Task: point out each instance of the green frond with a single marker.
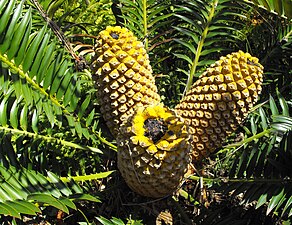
(23, 191)
(145, 17)
(280, 7)
(40, 78)
(79, 18)
(259, 166)
(277, 57)
(21, 117)
(88, 177)
(208, 29)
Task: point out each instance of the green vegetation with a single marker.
(57, 158)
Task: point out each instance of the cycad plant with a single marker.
(56, 148)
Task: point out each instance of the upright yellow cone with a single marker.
(123, 74)
(220, 100)
(153, 151)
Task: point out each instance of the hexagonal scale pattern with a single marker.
(123, 74)
(220, 100)
(153, 152)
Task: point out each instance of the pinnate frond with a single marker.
(38, 78)
(145, 18)
(280, 7)
(259, 166)
(22, 188)
(207, 29)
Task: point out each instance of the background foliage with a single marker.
(57, 158)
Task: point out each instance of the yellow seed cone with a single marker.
(124, 76)
(220, 100)
(153, 151)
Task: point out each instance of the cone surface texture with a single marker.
(123, 74)
(220, 100)
(153, 151)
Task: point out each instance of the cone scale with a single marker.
(220, 100)
(153, 152)
(124, 76)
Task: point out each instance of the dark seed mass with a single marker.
(114, 35)
(154, 129)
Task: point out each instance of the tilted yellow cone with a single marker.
(123, 74)
(153, 151)
(220, 100)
